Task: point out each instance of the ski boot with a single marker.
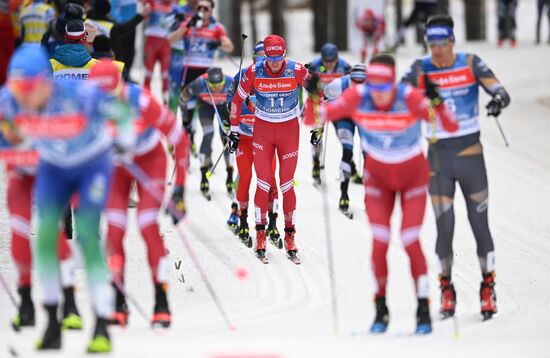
(382, 318)
(120, 316)
(316, 172)
(229, 181)
(52, 337)
(101, 342)
(260, 243)
(273, 232)
(423, 320)
(244, 234)
(233, 220)
(290, 246)
(448, 297)
(25, 315)
(161, 315)
(355, 177)
(488, 296)
(71, 317)
(242, 231)
(205, 185)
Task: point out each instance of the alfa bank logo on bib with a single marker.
(283, 84)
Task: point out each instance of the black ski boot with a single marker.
(25, 315)
(120, 316)
(243, 231)
(355, 177)
(229, 180)
(161, 315)
(101, 342)
(382, 318)
(423, 320)
(205, 185)
(316, 171)
(71, 317)
(272, 231)
(52, 336)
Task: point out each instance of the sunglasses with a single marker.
(383, 87)
(434, 43)
(275, 58)
(24, 85)
(203, 8)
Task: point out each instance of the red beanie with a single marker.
(274, 46)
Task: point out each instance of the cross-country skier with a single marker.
(211, 87)
(328, 67)
(157, 45)
(458, 157)
(275, 81)
(20, 185)
(153, 120)
(75, 165)
(345, 129)
(373, 27)
(388, 118)
(202, 36)
(245, 158)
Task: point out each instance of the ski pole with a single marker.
(148, 185)
(211, 171)
(325, 134)
(330, 257)
(501, 131)
(7, 289)
(218, 117)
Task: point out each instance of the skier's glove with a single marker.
(224, 116)
(312, 85)
(122, 153)
(494, 107)
(213, 45)
(179, 202)
(432, 92)
(194, 20)
(316, 136)
(233, 139)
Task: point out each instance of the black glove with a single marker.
(212, 45)
(432, 92)
(179, 202)
(312, 85)
(494, 107)
(233, 141)
(194, 20)
(224, 115)
(316, 136)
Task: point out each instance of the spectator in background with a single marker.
(102, 48)
(422, 10)
(507, 21)
(72, 60)
(7, 36)
(55, 36)
(121, 34)
(540, 9)
(35, 19)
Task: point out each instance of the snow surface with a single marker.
(283, 310)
